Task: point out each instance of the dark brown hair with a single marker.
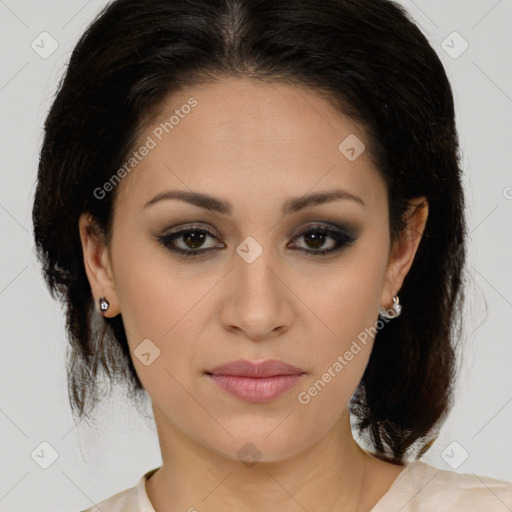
(374, 64)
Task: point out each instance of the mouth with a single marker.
(256, 382)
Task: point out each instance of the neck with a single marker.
(333, 473)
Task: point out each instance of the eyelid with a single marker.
(344, 237)
(192, 227)
(343, 228)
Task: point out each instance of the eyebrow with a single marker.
(292, 205)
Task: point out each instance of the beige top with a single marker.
(420, 487)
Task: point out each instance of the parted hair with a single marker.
(373, 64)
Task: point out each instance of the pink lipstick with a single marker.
(256, 382)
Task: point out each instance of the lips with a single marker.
(256, 382)
(268, 368)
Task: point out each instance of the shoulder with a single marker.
(133, 499)
(422, 487)
(124, 501)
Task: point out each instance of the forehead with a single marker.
(241, 138)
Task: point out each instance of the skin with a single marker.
(255, 145)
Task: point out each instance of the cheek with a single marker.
(348, 308)
(146, 291)
(350, 298)
(161, 304)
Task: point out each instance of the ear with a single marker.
(97, 265)
(404, 250)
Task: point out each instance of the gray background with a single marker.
(94, 463)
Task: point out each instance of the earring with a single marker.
(388, 313)
(104, 303)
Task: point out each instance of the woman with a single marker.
(235, 199)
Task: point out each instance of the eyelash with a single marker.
(342, 240)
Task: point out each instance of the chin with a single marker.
(252, 445)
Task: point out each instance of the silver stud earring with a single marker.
(104, 303)
(391, 313)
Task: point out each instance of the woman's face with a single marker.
(259, 287)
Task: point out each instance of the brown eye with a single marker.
(193, 239)
(315, 239)
(318, 240)
(188, 242)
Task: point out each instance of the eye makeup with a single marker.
(189, 240)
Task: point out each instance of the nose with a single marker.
(257, 300)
